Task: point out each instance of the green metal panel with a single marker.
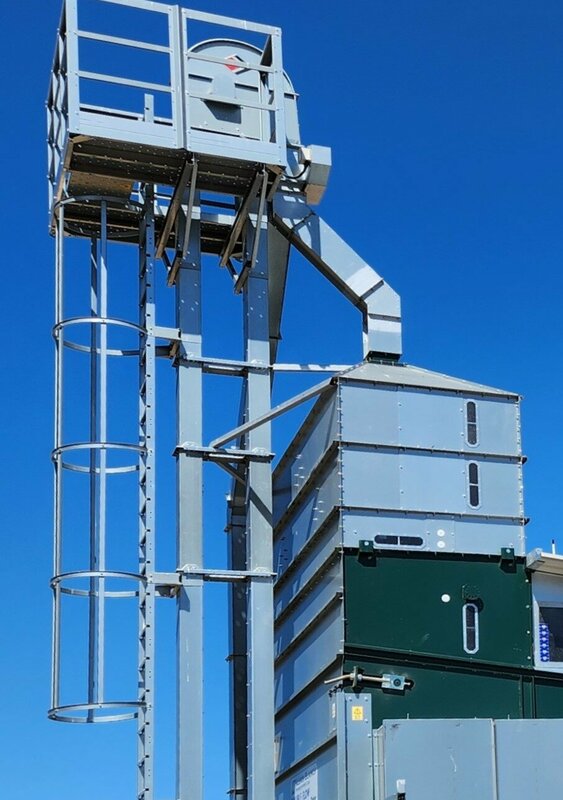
(443, 692)
(413, 603)
(549, 697)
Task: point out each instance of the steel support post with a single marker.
(238, 643)
(97, 461)
(93, 600)
(102, 414)
(189, 399)
(260, 607)
(58, 460)
(147, 375)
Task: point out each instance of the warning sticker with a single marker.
(306, 788)
(357, 713)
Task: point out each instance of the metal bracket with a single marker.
(366, 551)
(174, 207)
(388, 680)
(232, 454)
(507, 556)
(242, 216)
(168, 584)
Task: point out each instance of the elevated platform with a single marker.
(224, 102)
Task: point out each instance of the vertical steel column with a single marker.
(102, 411)
(238, 673)
(58, 458)
(260, 609)
(93, 477)
(97, 462)
(189, 428)
(147, 369)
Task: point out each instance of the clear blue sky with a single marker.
(446, 123)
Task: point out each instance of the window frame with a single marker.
(398, 540)
(469, 423)
(471, 483)
(465, 627)
(554, 666)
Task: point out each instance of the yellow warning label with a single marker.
(357, 713)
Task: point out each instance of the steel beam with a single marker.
(189, 399)
(260, 610)
(147, 380)
(272, 413)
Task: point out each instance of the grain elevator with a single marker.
(391, 635)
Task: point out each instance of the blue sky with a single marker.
(446, 123)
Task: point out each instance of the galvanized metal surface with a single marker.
(403, 460)
(469, 758)
(390, 457)
(407, 375)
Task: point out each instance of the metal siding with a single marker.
(439, 759)
(325, 767)
(310, 656)
(317, 504)
(359, 732)
(370, 478)
(487, 536)
(466, 535)
(396, 604)
(431, 419)
(529, 755)
(498, 427)
(313, 560)
(407, 375)
(317, 442)
(308, 607)
(431, 482)
(413, 486)
(500, 489)
(369, 414)
(548, 696)
(442, 688)
(422, 482)
(305, 727)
